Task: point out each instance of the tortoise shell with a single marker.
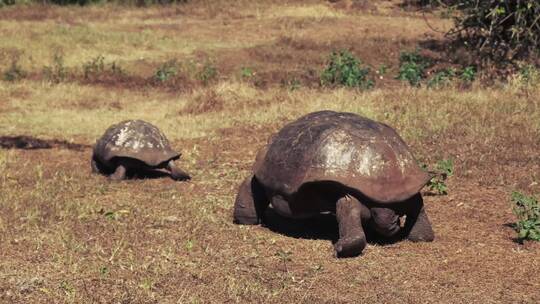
(135, 139)
(354, 151)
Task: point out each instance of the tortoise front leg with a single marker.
(94, 165)
(417, 226)
(352, 239)
(177, 173)
(251, 202)
(119, 173)
(99, 167)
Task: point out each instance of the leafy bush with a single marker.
(443, 170)
(500, 29)
(447, 76)
(527, 211)
(207, 73)
(7, 2)
(247, 72)
(56, 72)
(468, 74)
(345, 69)
(94, 67)
(442, 78)
(97, 69)
(15, 72)
(529, 75)
(412, 67)
(166, 71)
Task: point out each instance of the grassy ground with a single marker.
(67, 235)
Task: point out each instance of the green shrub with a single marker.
(207, 73)
(97, 69)
(247, 72)
(442, 78)
(468, 74)
(499, 29)
(447, 76)
(94, 67)
(166, 71)
(443, 170)
(291, 83)
(412, 67)
(527, 211)
(529, 75)
(14, 72)
(346, 70)
(56, 72)
(7, 2)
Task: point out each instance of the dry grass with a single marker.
(67, 236)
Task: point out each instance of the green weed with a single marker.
(383, 68)
(442, 78)
(412, 67)
(94, 67)
(443, 170)
(166, 71)
(7, 2)
(247, 72)
(346, 70)
(207, 73)
(56, 72)
(468, 74)
(527, 211)
(15, 72)
(291, 84)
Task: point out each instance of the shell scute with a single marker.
(135, 139)
(354, 151)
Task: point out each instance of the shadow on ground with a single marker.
(31, 143)
(321, 227)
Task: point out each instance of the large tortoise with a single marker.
(357, 168)
(134, 145)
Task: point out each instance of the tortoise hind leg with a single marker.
(352, 239)
(417, 225)
(177, 173)
(119, 173)
(251, 202)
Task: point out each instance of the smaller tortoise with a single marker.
(356, 168)
(134, 145)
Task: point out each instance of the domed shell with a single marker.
(341, 147)
(136, 139)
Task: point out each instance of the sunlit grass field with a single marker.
(240, 71)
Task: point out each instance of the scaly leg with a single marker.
(250, 204)
(352, 239)
(177, 173)
(119, 173)
(417, 225)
